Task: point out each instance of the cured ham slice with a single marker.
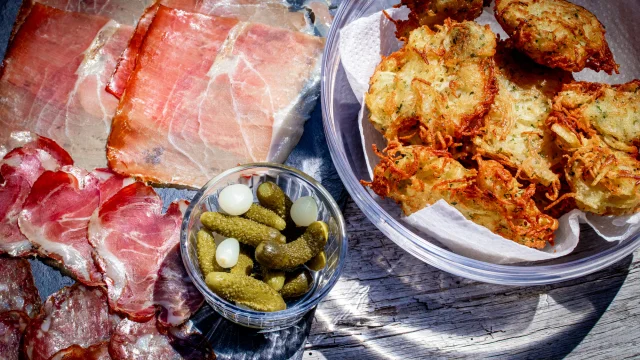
(55, 216)
(136, 248)
(75, 352)
(123, 11)
(19, 169)
(74, 315)
(53, 81)
(18, 292)
(140, 341)
(208, 93)
(12, 326)
(274, 13)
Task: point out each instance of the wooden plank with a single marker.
(390, 305)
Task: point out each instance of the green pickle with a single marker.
(245, 263)
(206, 249)
(274, 278)
(246, 231)
(245, 290)
(296, 284)
(318, 262)
(271, 196)
(274, 255)
(265, 216)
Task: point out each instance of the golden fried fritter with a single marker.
(515, 133)
(417, 176)
(556, 33)
(598, 126)
(437, 88)
(435, 12)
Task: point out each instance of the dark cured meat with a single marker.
(141, 341)
(12, 326)
(17, 289)
(135, 247)
(55, 217)
(94, 352)
(19, 169)
(73, 315)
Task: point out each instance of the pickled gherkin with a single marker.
(296, 284)
(246, 231)
(272, 197)
(245, 290)
(265, 216)
(206, 249)
(274, 255)
(245, 263)
(318, 262)
(274, 278)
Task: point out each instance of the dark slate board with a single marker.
(229, 341)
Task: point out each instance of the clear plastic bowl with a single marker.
(295, 184)
(340, 115)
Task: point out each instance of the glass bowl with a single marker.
(340, 114)
(295, 184)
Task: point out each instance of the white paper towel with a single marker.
(363, 43)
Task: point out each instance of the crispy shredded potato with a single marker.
(557, 33)
(435, 12)
(437, 88)
(515, 133)
(417, 176)
(598, 126)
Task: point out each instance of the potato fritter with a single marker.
(598, 126)
(435, 12)
(557, 33)
(515, 133)
(437, 88)
(417, 176)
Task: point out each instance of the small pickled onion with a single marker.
(235, 199)
(304, 211)
(227, 253)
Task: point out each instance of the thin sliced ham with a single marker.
(55, 217)
(74, 315)
(19, 169)
(98, 351)
(18, 291)
(12, 326)
(136, 247)
(208, 93)
(140, 341)
(53, 80)
(123, 11)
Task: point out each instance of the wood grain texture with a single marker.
(390, 305)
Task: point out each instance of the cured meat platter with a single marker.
(310, 155)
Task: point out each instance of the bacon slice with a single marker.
(273, 13)
(53, 80)
(98, 351)
(136, 249)
(18, 291)
(208, 93)
(12, 326)
(141, 341)
(55, 217)
(19, 169)
(73, 315)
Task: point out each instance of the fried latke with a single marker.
(437, 88)
(417, 176)
(515, 133)
(435, 12)
(598, 126)
(556, 33)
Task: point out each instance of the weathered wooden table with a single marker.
(389, 305)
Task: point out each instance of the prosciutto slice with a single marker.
(53, 81)
(12, 326)
(74, 315)
(274, 13)
(18, 291)
(123, 11)
(141, 341)
(208, 93)
(136, 248)
(55, 216)
(98, 351)
(19, 169)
